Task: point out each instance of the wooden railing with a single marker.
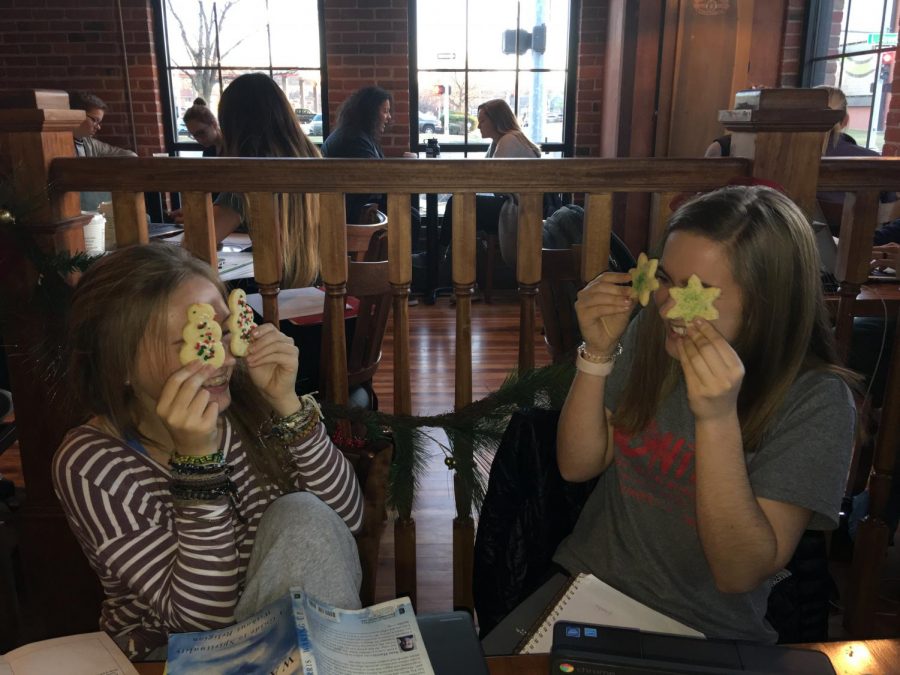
(599, 179)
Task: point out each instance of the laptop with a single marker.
(582, 648)
(452, 644)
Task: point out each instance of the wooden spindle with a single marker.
(333, 260)
(199, 226)
(463, 287)
(268, 265)
(131, 218)
(528, 271)
(400, 274)
(598, 218)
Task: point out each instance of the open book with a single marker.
(586, 599)
(85, 654)
(297, 634)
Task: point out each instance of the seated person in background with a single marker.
(85, 143)
(88, 146)
(198, 492)
(362, 120)
(497, 122)
(701, 429)
(841, 144)
(203, 127)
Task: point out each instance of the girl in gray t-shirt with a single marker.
(719, 440)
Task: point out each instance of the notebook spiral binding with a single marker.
(550, 617)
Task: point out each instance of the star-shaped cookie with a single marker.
(693, 300)
(643, 279)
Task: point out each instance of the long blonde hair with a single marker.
(837, 100)
(505, 122)
(257, 120)
(785, 330)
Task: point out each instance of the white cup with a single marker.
(106, 209)
(95, 235)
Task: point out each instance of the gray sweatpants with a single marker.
(301, 542)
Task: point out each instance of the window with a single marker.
(852, 45)
(205, 44)
(465, 52)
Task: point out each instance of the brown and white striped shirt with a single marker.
(168, 566)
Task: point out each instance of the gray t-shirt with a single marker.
(638, 529)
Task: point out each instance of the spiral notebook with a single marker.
(586, 599)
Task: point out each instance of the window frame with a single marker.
(817, 24)
(566, 147)
(164, 68)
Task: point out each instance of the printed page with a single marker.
(380, 640)
(267, 639)
(590, 600)
(86, 654)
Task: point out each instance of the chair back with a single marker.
(368, 281)
(360, 235)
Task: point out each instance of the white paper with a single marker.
(86, 654)
(293, 302)
(235, 266)
(590, 600)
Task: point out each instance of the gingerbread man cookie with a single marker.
(240, 322)
(202, 336)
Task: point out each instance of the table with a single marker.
(848, 658)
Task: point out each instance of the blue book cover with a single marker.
(264, 643)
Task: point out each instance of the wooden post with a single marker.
(783, 131)
(62, 594)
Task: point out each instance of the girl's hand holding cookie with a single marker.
(272, 363)
(713, 372)
(184, 407)
(604, 308)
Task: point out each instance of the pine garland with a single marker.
(473, 433)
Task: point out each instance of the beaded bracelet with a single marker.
(196, 462)
(289, 429)
(202, 478)
(204, 494)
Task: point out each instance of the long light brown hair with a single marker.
(257, 120)
(505, 122)
(119, 301)
(837, 100)
(785, 330)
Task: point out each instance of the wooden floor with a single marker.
(495, 330)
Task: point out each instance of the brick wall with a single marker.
(76, 44)
(366, 42)
(589, 91)
(792, 51)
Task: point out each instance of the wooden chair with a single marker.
(359, 236)
(368, 281)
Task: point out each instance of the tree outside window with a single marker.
(209, 43)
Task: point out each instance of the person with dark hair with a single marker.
(198, 492)
(718, 418)
(362, 120)
(85, 144)
(203, 127)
